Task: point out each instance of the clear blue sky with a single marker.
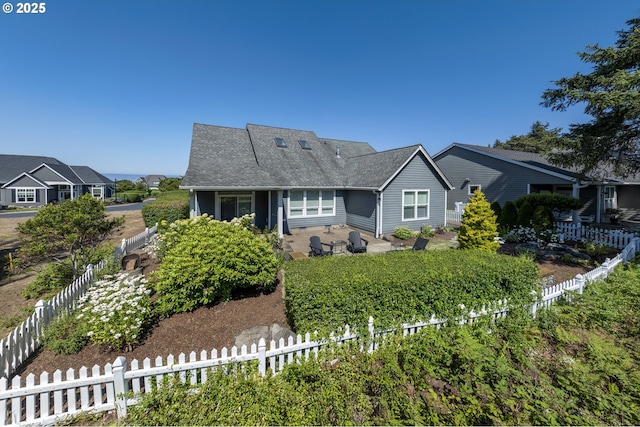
(117, 84)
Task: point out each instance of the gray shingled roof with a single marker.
(12, 165)
(537, 160)
(373, 170)
(230, 158)
(223, 157)
(532, 159)
(89, 176)
(66, 172)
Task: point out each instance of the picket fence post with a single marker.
(123, 246)
(581, 283)
(120, 386)
(262, 357)
(534, 306)
(371, 335)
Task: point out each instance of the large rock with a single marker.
(253, 335)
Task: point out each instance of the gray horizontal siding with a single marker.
(501, 181)
(417, 175)
(361, 210)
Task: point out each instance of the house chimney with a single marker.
(337, 151)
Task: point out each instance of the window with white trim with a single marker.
(96, 191)
(25, 195)
(415, 204)
(473, 187)
(304, 203)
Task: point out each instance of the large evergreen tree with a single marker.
(611, 94)
(540, 139)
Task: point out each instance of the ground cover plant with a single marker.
(326, 293)
(575, 364)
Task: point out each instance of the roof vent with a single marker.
(304, 144)
(337, 151)
(280, 142)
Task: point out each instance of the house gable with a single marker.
(25, 180)
(12, 165)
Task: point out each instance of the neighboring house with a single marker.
(294, 179)
(505, 175)
(151, 181)
(38, 180)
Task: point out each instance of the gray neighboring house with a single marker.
(505, 175)
(294, 179)
(151, 181)
(38, 180)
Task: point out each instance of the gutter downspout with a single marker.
(280, 215)
(378, 232)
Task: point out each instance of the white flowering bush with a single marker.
(530, 234)
(116, 310)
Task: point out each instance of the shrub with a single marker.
(55, 277)
(543, 218)
(426, 231)
(403, 232)
(66, 335)
(132, 196)
(58, 275)
(553, 201)
(116, 311)
(205, 260)
(509, 215)
(325, 293)
(479, 228)
(525, 215)
(157, 212)
(497, 209)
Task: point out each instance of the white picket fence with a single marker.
(454, 217)
(609, 237)
(119, 386)
(24, 340)
(138, 241)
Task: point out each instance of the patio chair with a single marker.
(420, 244)
(317, 248)
(356, 243)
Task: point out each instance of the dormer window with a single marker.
(280, 142)
(304, 144)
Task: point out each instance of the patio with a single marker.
(296, 244)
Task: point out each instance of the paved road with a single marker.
(111, 208)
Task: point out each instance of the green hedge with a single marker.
(326, 293)
(155, 212)
(131, 196)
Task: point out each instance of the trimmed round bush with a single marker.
(403, 232)
(205, 260)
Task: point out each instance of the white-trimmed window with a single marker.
(97, 191)
(415, 204)
(473, 187)
(304, 203)
(25, 195)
